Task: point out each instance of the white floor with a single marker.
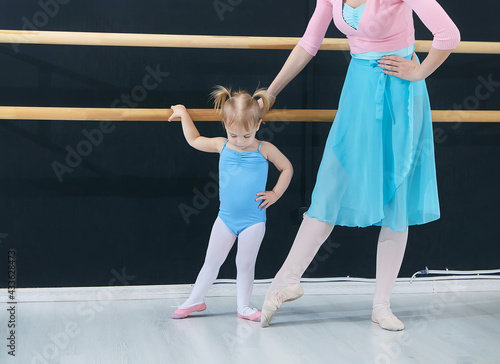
(451, 327)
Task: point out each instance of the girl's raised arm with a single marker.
(193, 137)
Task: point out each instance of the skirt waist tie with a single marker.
(393, 106)
(380, 91)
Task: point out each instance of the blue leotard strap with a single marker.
(260, 145)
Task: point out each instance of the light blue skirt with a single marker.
(378, 164)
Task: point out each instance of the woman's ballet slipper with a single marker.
(181, 313)
(253, 317)
(270, 306)
(391, 323)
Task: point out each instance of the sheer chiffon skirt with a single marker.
(378, 164)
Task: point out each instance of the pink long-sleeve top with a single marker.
(386, 25)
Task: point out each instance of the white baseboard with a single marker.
(402, 286)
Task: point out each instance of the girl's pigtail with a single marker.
(266, 100)
(220, 95)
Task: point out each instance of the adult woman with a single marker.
(378, 164)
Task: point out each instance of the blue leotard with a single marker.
(241, 176)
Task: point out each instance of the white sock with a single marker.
(247, 311)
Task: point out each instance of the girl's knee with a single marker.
(245, 265)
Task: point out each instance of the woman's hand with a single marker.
(268, 198)
(403, 68)
(178, 111)
(273, 99)
(261, 104)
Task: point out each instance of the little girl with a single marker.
(243, 167)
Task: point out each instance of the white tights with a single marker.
(390, 251)
(219, 245)
(313, 233)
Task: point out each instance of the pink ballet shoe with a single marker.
(270, 306)
(181, 313)
(253, 317)
(391, 323)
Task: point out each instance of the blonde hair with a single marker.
(240, 107)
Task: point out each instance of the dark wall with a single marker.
(115, 217)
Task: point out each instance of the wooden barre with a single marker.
(125, 114)
(202, 41)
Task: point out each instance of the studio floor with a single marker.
(453, 327)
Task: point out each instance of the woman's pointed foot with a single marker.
(270, 306)
(267, 314)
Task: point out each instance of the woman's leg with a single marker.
(285, 286)
(249, 242)
(390, 251)
(219, 245)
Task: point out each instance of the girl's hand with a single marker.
(268, 198)
(403, 68)
(177, 112)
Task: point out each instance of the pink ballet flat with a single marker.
(181, 313)
(253, 317)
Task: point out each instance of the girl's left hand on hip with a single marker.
(268, 198)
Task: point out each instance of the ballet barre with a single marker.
(202, 41)
(285, 115)
(205, 41)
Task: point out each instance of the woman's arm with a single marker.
(295, 63)
(193, 137)
(446, 38)
(307, 47)
(411, 70)
(273, 155)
